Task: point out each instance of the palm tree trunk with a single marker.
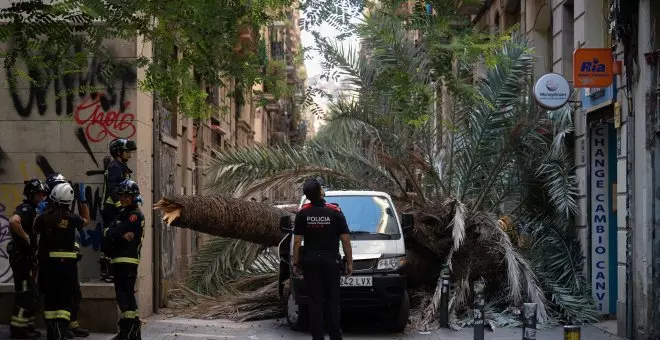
(226, 217)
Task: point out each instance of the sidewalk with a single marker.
(160, 327)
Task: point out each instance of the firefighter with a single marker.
(116, 172)
(22, 260)
(124, 237)
(322, 225)
(74, 326)
(58, 270)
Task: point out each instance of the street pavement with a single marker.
(161, 327)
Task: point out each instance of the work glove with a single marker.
(139, 200)
(42, 206)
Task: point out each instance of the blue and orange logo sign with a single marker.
(592, 67)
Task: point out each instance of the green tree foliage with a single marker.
(206, 34)
(493, 153)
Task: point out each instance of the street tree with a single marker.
(489, 176)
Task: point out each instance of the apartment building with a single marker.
(615, 143)
(42, 132)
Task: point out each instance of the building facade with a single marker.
(44, 131)
(615, 143)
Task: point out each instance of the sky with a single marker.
(313, 63)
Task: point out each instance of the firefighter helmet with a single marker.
(128, 187)
(34, 186)
(62, 194)
(119, 145)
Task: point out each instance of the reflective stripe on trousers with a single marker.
(57, 314)
(129, 314)
(63, 254)
(130, 260)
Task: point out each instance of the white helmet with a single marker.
(62, 194)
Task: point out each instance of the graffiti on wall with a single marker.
(91, 237)
(95, 98)
(5, 237)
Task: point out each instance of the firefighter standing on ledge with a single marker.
(22, 261)
(124, 240)
(75, 330)
(322, 225)
(58, 269)
(117, 171)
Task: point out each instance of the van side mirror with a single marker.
(407, 221)
(285, 224)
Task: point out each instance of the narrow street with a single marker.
(160, 327)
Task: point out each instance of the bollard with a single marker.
(529, 321)
(479, 309)
(571, 332)
(444, 298)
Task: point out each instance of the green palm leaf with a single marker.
(222, 261)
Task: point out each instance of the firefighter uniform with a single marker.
(116, 172)
(125, 257)
(75, 330)
(320, 224)
(23, 263)
(58, 270)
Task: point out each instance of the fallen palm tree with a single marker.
(224, 216)
(493, 190)
(474, 246)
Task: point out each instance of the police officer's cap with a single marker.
(312, 188)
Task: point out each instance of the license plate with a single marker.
(356, 281)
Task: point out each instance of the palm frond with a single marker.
(250, 170)
(557, 258)
(224, 260)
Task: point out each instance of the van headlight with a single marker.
(391, 263)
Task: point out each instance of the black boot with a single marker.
(135, 332)
(56, 329)
(33, 330)
(124, 328)
(76, 331)
(79, 332)
(23, 333)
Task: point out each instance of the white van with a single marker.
(378, 281)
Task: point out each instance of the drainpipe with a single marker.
(156, 231)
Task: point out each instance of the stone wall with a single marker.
(68, 131)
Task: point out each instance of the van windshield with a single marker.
(366, 214)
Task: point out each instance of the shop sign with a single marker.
(600, 215)
(592, 67)
(552, 91)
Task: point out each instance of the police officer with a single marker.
(74, 326)
(22, 260)
(124, 237)
(322, 225)
(58, 270)
(116, 172)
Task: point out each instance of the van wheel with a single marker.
(400, 318)
(296, 315)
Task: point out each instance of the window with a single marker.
(216, 137)
(367, 214)
(169, 123)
